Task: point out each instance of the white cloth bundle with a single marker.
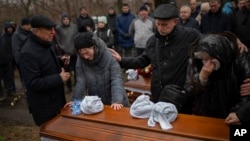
(163, 113)
(132, 74)
(91, 105)
(141, 107)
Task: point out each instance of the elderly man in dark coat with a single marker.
(43, 77)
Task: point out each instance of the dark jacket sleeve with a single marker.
(134, 63)
(244, 113)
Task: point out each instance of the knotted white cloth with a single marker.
(141, 107)
(91, 105)
(163, 113)
(132, 74)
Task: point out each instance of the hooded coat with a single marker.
(65, 36)
(5, 46)
(222, 91)
(18, 39)
(101, 76)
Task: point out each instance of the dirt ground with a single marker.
(16, 124)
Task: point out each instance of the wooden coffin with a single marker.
(111, 125)
(141, 85)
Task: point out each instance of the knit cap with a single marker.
(25, 21)
(102, 19)
(84, 40)
(143, 7)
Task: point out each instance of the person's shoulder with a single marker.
(187, 31)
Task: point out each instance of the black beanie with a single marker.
(25, 21)
(143, 7)
(84, 40)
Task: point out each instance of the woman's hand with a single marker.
(242, 47)
(206, 70)
(232, 119)
(68, 104)
(116, 106)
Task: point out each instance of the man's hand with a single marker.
(115, 55)
(232, 119)
(245, 87)
(116, 106)
(64, 75)
(65, 59)
(241, 46)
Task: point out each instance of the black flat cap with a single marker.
(41, 21)
(166, 11)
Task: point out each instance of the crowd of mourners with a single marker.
(202, 47)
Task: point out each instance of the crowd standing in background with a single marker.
(186, 20)
(141, 29)
(125, 41)
(104, 32)
(7, 61)
(160, 37)
(65, 32)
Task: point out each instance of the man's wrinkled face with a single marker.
(165, 27)
(44, 33)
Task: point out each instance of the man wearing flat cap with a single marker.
(43, 77)
(166, 51)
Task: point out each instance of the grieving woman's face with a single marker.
(87, 53)
(205, 58)
(202, 55)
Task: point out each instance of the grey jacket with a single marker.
(102, 77)
(64, 37)
(18, 39)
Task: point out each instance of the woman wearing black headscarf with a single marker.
(215, 72)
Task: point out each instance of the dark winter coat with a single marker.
(123, 22)
(5, 47)
(106, 35)
(41, 73)
(112, 26)
(101, 76)
(192, 23)
(241, 26)
(18, 40)
(173, 56)
(222, 91)
(83, 22)
(215, 22)
(65, 37)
